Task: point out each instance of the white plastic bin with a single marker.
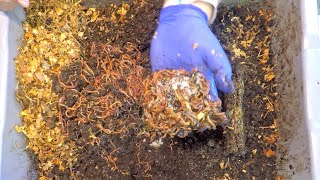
(14, 160)
(311, 68)
(299, 87)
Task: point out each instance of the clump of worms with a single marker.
(177, 102)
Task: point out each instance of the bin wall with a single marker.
(14, 160)
(293, 150)
(293, 160)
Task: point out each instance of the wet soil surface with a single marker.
(100, 104)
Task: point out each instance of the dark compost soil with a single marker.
(100, 102)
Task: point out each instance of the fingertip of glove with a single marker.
(224, 84)
(230, 87)
(214, 98)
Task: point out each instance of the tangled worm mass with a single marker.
(177, 102)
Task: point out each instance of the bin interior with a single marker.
(293, 145)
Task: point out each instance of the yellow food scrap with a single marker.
(122, 11)
(119, 14)
(80, 34)
(265, 56)
(238, 52)
(46, 47)
(94, 16)
(195, 45)
(270, 76)
(62, 37)
(249, 17)
(59, 11)
(222, 165)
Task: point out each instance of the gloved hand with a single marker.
(183, 40)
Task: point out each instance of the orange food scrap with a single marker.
(280, 178)
(269, 153)
(273, 138)
(265, 56)
(270, 76)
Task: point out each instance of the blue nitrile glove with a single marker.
(183, 40)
